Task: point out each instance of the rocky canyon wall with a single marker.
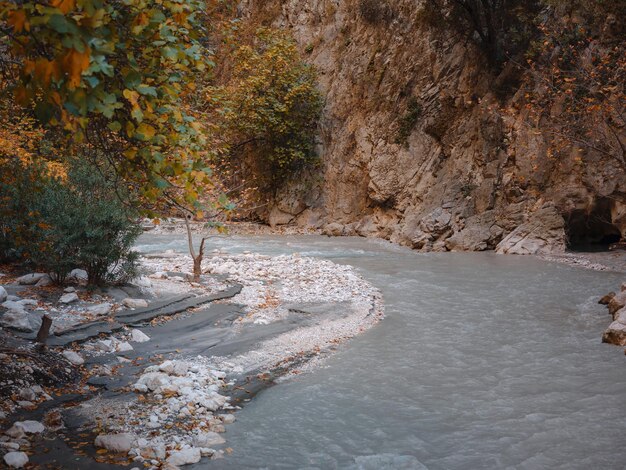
(468, 174)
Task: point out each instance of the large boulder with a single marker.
(17, 318)
(3, 294)
(423, 232)
(479, 234)
(542, 233)
(616, 303)
(615, 334)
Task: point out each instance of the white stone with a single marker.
(142, 282)
(78, 275)
(10, 445)
(30, 279)
(27, 394)
(115, 442)
(139, 336)
(44, 281)
(184, 457)
(104, 345)
(153, 381)
(73, 357)
(69, 290)
(178, 368)
(68, 298)
(100, 309)
(28, 427)
(124, 346)
(207, 439)
(3, 294)
(16, 459)
(228, 419)
(17, 319)
(135, 303)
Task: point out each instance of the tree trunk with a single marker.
(197, 268)
(44, 331)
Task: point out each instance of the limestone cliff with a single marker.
(470, 173)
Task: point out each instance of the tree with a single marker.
(501, 28)
(114, 74)
(266, 113)
(575, 90)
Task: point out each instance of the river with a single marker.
(482, 362)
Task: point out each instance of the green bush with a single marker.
(408, 121)
(76, 222)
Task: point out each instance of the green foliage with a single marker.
(408, 121)
(74, 222)
(271, 106)
(114, 73)
(500, 28)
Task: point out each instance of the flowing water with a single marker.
(483, 361)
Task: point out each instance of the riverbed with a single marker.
(483, 361)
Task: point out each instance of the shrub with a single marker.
(408, 121)
(76, 221)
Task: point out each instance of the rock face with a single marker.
(467, 178)
(544, 232)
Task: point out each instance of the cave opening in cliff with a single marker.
(592, 230)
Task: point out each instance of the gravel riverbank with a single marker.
(162, 373)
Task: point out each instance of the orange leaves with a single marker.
(74, 64)
(46, 69)
(17, 19)
(64, 5)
